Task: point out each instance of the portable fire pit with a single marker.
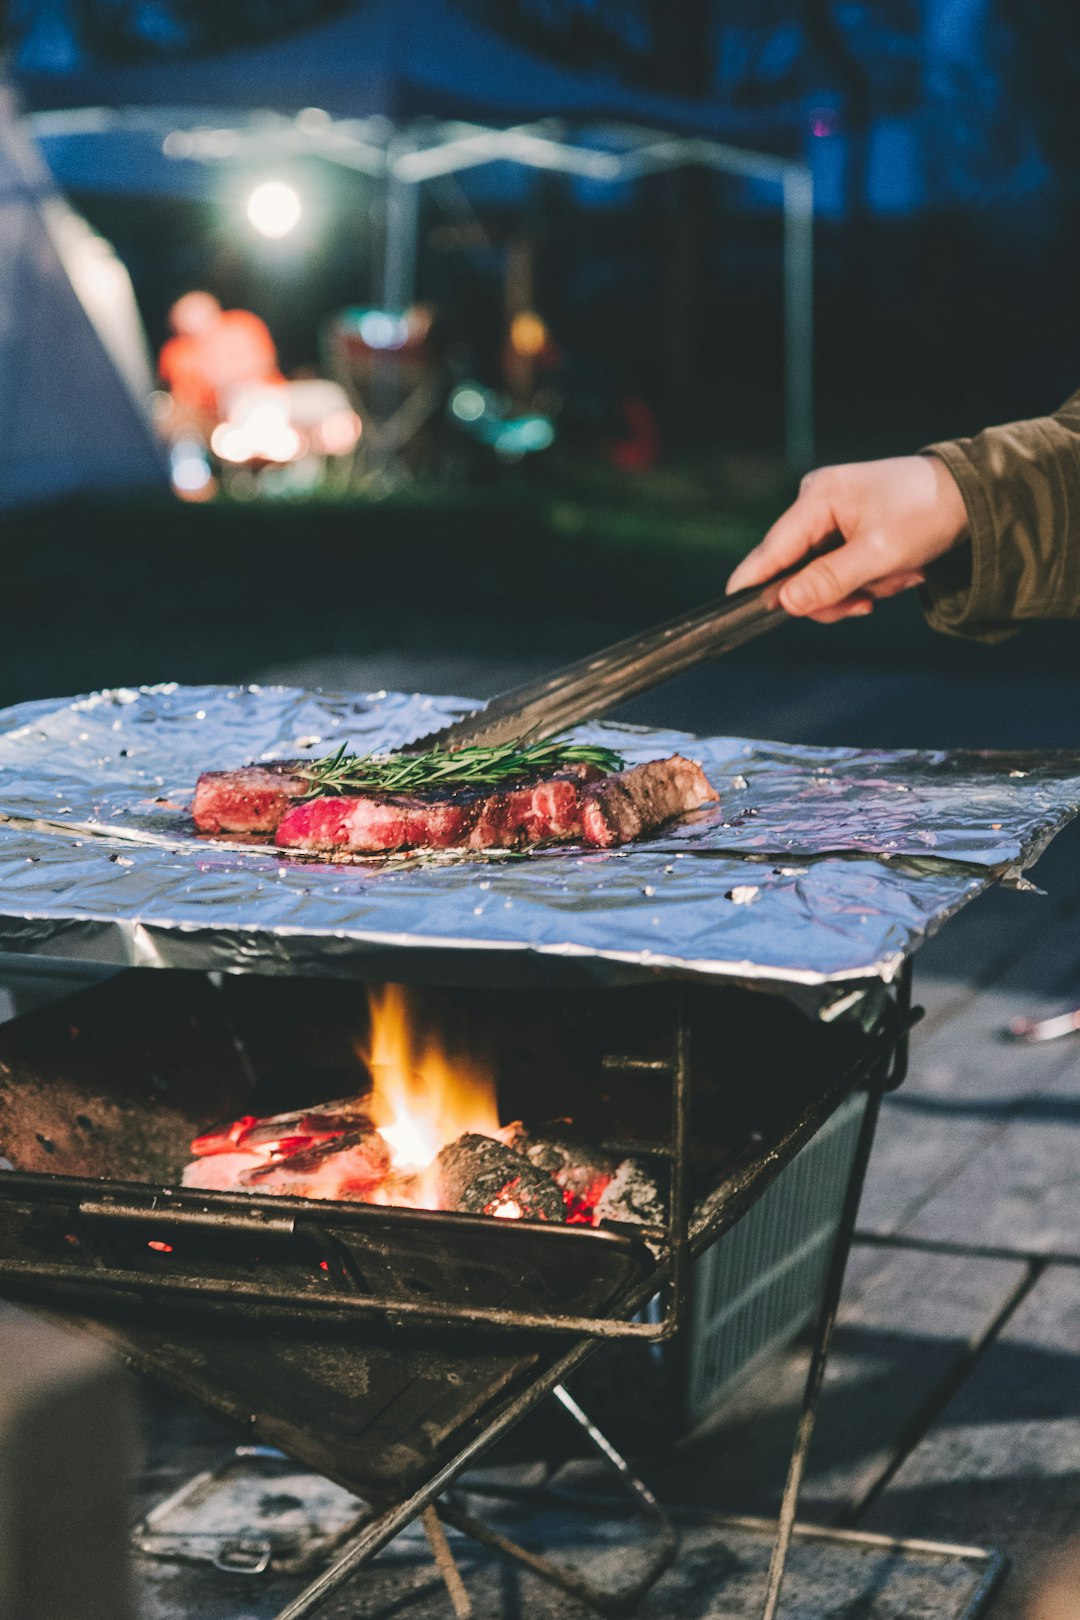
(677, 1021)
(386, 1346)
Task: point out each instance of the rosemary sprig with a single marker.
(458, 767)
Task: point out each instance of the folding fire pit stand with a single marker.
(66, 1239)
(883, 1073)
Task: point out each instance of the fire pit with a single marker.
(384, 1344)
(582, 1073)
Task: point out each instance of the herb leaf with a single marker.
(343, 772)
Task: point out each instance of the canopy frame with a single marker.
(406, 155)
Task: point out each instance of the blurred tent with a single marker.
(74, 370)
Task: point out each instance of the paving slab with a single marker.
(719, 1575)
(1001, 1465)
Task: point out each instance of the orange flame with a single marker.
(424, 1095)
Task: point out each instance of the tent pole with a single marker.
(402, 224)
(798, 317)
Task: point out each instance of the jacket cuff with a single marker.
(962, 590)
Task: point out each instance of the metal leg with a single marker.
(444, 1560)
(815, 1378)
(605, 1600)
(382, 1530)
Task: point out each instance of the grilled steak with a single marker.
(596, 810)
(632, 802)
(251, 800)
(578, 804)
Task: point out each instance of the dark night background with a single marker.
(944, 140)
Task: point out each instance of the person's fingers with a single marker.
(831, 579)
(853, 607)
(893, 584)
(797, 531)
(862, 602)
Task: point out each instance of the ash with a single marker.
(631, 1195)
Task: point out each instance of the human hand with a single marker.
(894, 518)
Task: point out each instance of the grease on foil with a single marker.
(870, 852)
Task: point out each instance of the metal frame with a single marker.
(675, 1243)
(606, 1600)
(890, 1075)
(888, 1072)
(407, 155)
(880, 1067)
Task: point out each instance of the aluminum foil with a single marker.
(819, 870)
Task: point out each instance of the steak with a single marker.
(250, 800)
(569, 807)
(629, 803)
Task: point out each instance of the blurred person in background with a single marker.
(213, 354)
(988, 527)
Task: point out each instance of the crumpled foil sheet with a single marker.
(820, 868)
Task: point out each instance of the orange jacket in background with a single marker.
(201, 371)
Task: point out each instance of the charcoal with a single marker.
(572, 1163)
(632, 1195)
(477, 1175)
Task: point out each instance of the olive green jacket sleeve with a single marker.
(1021, 487)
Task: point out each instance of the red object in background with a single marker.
(215, 351)
(638, 450)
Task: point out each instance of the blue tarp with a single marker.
(402, 59)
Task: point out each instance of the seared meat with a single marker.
(566, 808)
(250, 800)
(378, 821)
(632, 802)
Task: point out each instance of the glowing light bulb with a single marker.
(468, 404)
(274, 208)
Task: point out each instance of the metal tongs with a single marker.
(595, 685)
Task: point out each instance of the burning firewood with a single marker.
(350, 1165)
(329, 1151)
(579, 1170)
(479, 1176)
(274, 1135)
(333, 1150)
(221, 1172)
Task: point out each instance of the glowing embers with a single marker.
(330, 1151)
(426, 1135)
